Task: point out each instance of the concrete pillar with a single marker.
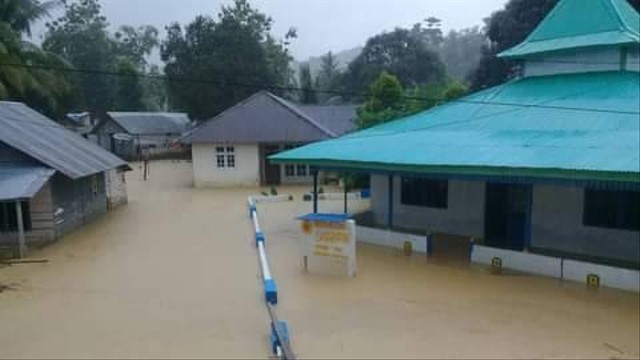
(390, 204)
(315, 191)
(22, 247)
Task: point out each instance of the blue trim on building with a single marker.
(506, 179)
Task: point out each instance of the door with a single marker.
(271, 171)
(507, 215)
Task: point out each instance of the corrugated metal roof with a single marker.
(150, 123)
(264, 117)
(30, 132)
(547, 126)
(340, 119)
(20, 182)
(578, 23)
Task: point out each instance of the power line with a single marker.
(296, 89)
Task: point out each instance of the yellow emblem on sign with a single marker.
(307, 227)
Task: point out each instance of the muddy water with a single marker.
(174, 274)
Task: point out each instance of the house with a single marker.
(52, 180)
(231, 148)
(132, 135)
(547, 164)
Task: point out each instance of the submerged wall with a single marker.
(556, 225)
(556, 220)
(77, 202)
(463, 216)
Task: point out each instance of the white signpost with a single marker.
(328, 244)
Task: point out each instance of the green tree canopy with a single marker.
(235, 52)
(23, 74)
(307, 93)
(81, 37)
(385, 102)
(400, 52)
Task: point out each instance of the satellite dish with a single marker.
(122, 137)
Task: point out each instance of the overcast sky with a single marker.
(322, 25)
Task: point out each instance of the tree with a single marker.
(388, 101)
(235, 53)
(23, 73)
(399, 52)
(307, 94)
(385, 102)
(129, 92)
(19, 15)
(328, 78)
(506, 28)
(461, 51)
(81, 37)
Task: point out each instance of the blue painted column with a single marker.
(315, 191)
(390, 204)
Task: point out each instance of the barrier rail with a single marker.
(279, 332)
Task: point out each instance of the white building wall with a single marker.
(245, 173)
(576, 61)
(556, 224)
(464, 215)
(116, 188)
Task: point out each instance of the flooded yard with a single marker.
(174, 274)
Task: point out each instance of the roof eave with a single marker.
(541, 173)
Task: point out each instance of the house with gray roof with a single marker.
(131, 135)
(231, 148)
(52, 180)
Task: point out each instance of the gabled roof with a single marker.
(150, 123)
(20, 181)
(581, 23)
(573, 126)
(33, 134)
(265, 117)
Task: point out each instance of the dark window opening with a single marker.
(9, 217)
(612, 209)
(424, 192)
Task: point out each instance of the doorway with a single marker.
(508, 216)
(271, 171)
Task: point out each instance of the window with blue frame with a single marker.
(612, 209)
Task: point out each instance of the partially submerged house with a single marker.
(548, 163)
(133, 135)
(51, 179)
(231, 148)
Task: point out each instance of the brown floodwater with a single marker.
(174, 274)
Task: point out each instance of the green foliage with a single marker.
(329, 77)
(307, 93)
(402, 52)
(388, 100)
(385, 102)
(81, 37)
(129, 93)
(23, 77)
(234, 49)
(273, 191)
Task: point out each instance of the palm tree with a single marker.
(20, 14)
(23, 74)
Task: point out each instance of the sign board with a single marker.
(328, 244)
